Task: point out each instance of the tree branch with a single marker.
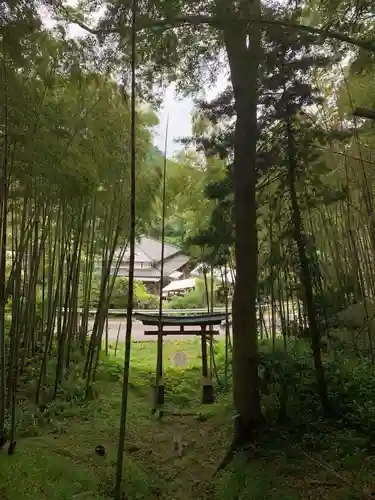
(215, 21)
(364, 113)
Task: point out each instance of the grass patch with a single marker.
(253, 480)
(305, 459)
(37, 471)
(182, 384)
(61, 463)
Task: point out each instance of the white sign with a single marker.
(180, 359)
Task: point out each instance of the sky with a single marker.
(178, 110)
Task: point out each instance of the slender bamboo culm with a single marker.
(124, 402)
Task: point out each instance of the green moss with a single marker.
(289, 462)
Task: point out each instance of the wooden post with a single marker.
(207, 389)
(159, 386)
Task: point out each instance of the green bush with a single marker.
(350, 381)
(119, 297)
(195, 299)
(351, 389)
(192, 300)
(142, 298)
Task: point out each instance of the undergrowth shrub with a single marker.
(110, 370)
(351, 389)
(250, 480)
(350, 381)
(50, 413)
(183, 387)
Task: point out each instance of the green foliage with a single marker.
(351, 390)
(66, 125)
(110, 370)
(119, 296)
(192, 300)
(186, 208)
(351, 384)
(195, 299)
(32, 419)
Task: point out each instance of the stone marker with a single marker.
(180, 359)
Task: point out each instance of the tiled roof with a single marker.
(149, 250)
(174, 263)
(170, 265)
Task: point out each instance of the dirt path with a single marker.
(202, 443)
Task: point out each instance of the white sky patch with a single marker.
(74, 31)
(180, 113)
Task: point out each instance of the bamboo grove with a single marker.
(65, 134)
(64, 202)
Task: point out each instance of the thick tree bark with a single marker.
(243, 52)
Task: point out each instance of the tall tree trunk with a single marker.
(3, 245)
(306, 280)
(243, 50)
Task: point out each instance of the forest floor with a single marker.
(61, 464)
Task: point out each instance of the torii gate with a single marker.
(201, 322)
